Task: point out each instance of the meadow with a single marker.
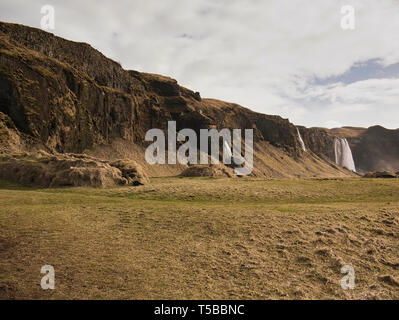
(202, 238)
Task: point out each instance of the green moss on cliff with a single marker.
(44, 72)
(9, 53)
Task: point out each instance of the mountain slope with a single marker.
(61, 96)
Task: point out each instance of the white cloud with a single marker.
(359, 103)
(261, 54)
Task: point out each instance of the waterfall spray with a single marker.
(301, 140)
(343, 154)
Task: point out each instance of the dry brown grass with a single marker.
(202, 238)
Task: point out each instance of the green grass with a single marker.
(199, 238)
(9, 53)
(44, 72)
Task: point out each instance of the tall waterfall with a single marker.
(343, 154)
(301, 140)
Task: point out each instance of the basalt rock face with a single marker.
(70, 97)
(55, 101)
(61, 96)
(320, 141)
(374, 149)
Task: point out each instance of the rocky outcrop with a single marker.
(131, 171)
(217, 170)
(68, 170)
(383, 174)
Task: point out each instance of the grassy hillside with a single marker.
(195, 238)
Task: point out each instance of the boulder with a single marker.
(131, 171)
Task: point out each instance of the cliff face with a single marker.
(320, 141)
(70, 96)
(374, 149)
(62, 96)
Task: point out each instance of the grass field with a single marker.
(202, 238)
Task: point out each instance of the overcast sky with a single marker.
(285, 57)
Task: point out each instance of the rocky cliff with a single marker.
(66, 97)
(374, 149)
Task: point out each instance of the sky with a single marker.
(293, 58)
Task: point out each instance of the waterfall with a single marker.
(300, 140)
(236, 158)
(228, 149)
(343, 154)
